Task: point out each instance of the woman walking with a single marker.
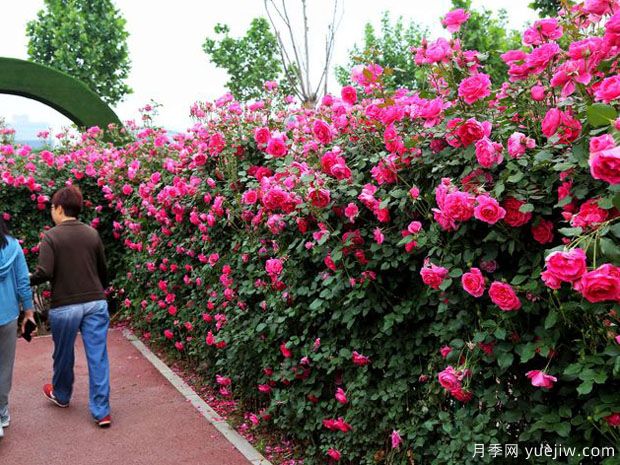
(72, 258)
(14, 291)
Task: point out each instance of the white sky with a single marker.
(165, 45)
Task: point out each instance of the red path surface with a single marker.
(153, 424)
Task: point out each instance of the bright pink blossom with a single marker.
(541, 379)
(475, 88)
(473, 282)
(453, 20)
(433, 275)
(504, 296)
(567, 266)
(601, 284)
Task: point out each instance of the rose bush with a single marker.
(387, 277)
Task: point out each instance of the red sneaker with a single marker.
(48, 391)
(104, 422)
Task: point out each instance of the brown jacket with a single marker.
(72, 258)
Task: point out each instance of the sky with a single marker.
(170, 67)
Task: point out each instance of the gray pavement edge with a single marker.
(240, 443)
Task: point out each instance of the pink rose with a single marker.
(562, 124)
(475, 88)
(550, 280)
(396, 439)
(567, 266)
(518, 143)
(473, 282)
(488, 209)
(378, 236)
(274, 266)
(541, 31)
(488, 153)
(608, 90)
(601, 284)
(319, 198)
(504, 296)
(541, 379)
(249, 197)
(322, 131)
(540, 57)
(276, 146)
(334, 454)
(366, 75)
(445, 351)
(538, 93)
(448, 379)
(514, 217)
(613, 419)
(459, 206)
(433, 275)
(461, 395)
(349, 95)
(604, 142)
(543, 231)
(351, 211)
(453, 19)
(341, 396)
(414, 227)
(605, 165)
(359, 359)
(598, 7)
(286, 352)
(590, 215)
(262, 135)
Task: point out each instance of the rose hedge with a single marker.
(387, 278)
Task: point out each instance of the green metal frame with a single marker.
(55, 89)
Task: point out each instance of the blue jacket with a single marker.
(14, 282)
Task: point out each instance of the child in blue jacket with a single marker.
(14, 292)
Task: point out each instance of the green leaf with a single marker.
(543, 155)
(500, 333)
(515, 178)
(609, 249)
(570, 232)
(585, 387)
(527, 352)
(505, 359)
(526, 208)
(600, 114)
(551, 319)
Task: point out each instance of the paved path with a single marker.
(153, 423)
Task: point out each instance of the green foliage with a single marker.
(87, 40)
(484, 32)
(391, 50)
(546, 8)
(249, 60)
(488, 34)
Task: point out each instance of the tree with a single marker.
(295, 53)
(488, 34)
(391, 50)
(546, 8)
(85, 39)
(250, 60)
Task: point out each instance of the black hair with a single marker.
(4, 232)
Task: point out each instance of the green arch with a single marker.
(55, 89)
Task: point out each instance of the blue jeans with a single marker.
(92, 320)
